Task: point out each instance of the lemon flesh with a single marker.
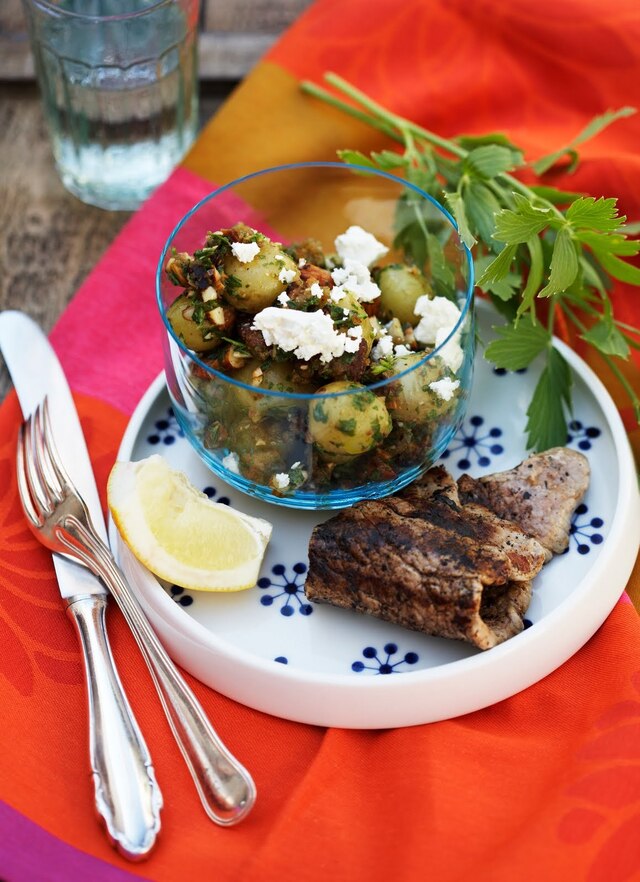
(179, 534)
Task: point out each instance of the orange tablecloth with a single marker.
(545, 785)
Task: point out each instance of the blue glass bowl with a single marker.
(305, 449)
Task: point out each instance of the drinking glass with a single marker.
(119, 87)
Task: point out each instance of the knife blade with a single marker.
(127, 796)
(36, 372)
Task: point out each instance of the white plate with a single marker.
(271, 650)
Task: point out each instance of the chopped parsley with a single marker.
(347, 427)
(387, 363)
(319, 413)
(231, 284)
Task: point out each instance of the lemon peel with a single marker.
(180, 534)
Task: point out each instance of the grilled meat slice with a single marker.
(455, 560)
(433, 576)
(539, 495)
(475, 534)
(436, 480)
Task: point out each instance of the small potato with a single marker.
(410, 399)
(202, 336)
(348, 425)
(256, 284)
(401, 286)
(275, 376)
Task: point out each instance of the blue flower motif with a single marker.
(384, 665)
(211, 492)
(282, 659)
(289, 589)
(584, 530)
(473, 444)
(178, 594)
(167, 430)
(502, 372)
(584, 435)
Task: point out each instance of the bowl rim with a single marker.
(309, 396)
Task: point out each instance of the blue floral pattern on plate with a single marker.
(212, 492)
(180, 596)
(503, 372)
(584, 532)
(166, 430)
(475, 442)
(383, 664)
(583, 435)
(289, 589)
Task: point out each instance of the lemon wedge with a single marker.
(179, 534)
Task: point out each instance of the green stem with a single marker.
(323, 95)
(627, 327)
(398, 121)
(591, 310)
(383, 120)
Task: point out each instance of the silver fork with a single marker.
(59, 518)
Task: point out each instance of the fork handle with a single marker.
(226, 789)
(127, 796)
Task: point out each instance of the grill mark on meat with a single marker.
(539, 495)
(434, 499)
(476, 537)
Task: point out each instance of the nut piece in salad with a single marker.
(327, 353)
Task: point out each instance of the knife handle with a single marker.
(127, 796)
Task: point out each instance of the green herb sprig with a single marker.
(534, 246)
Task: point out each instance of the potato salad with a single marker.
(327, 351)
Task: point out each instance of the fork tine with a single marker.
(32, 470)
(24, 490)
(48, 456)
(56, 462)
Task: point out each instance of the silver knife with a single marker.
(127, 795)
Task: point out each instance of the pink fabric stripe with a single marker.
(109, 338)
(30, 854)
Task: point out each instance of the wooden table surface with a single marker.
(50, 240)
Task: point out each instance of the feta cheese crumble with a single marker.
(306, 334)
(231, 462)
(245, 251)
(382, 348)
(438, 317)
(281, 480)
(451, 354)
(286, 276)
(316, 291)
(354, 278)
(359, 245)
(435, 314)
(445, 388)
(401, 350)
(283, 299)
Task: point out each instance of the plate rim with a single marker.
(175, 625)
